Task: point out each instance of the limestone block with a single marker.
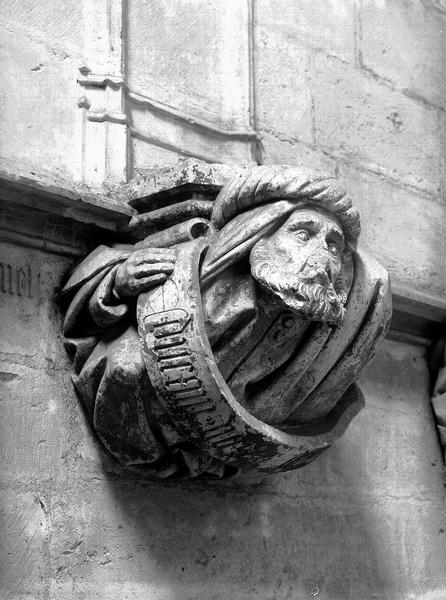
(42, 73)
(25, 527)
(398, 418)
(328, 25)
(286, 542)
(59, 22)
(279, 150)
(153, 130)
(361, 120)
(403, 229)
(39, 425)
(283, 97)
(377, 453)
(373, 501)
(28, 314)
(203, 49)
(110, 545)
(145, 153)
(404, 43)
(386, 473)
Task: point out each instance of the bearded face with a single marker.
(301, 263)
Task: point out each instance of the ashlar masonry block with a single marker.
(404, 230)
(283, 97)
(404, 42)
(329, 25)
(361, 120)
(192, 56)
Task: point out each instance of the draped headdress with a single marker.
(257, 200)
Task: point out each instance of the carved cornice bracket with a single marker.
(271, 393)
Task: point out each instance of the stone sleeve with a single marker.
(88, 293)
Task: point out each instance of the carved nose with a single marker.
(322, 276)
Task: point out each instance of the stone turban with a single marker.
(255, 201)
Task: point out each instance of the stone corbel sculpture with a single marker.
(227, 334)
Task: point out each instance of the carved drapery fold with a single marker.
(438, 400)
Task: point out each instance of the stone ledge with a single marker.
(64, 199)
(417, 317)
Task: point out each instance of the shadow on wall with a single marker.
(361, 522)
(300, 535)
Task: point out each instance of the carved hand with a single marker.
(143, 270)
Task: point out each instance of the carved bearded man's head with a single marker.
(302, 261)
(300, 230)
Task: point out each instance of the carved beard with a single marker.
(301, 292)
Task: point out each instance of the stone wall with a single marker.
(353, 87)
(365, 520)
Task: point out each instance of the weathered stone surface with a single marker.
(76, 526)
(147, 153)
(413, 224)
(28, 283)
(309, 537)
(187, 176)
(366, 520)
(49, 18)
(204, 52)
(36, 427)
(328, 25)
(373, 500)
(42, 72)
(359, 119)
(52, 204)
(280, 150)
(283, 97)
(404, 43)
(381, 471)
(25, 527)
(185, 140)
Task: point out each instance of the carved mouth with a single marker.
(319, 307)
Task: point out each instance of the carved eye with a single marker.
(303, 235)
(334, 250)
